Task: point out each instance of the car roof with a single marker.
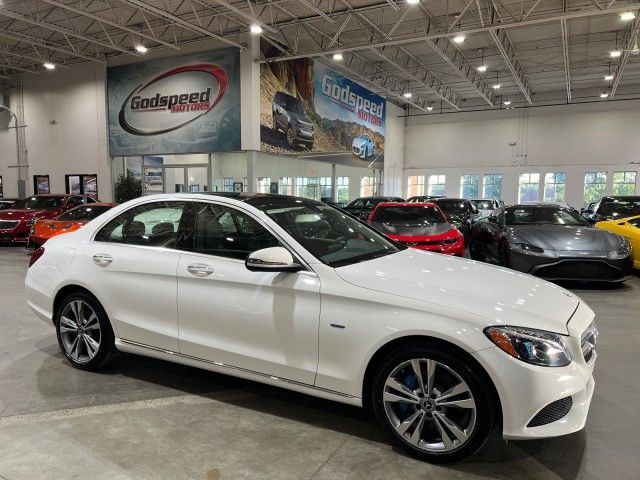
(406, 204)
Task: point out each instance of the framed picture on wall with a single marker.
(73, 185)
(237, 186)
(41, 185)
(82, 184)
(90, 185)
(1, 191)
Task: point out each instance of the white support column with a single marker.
(250, 105)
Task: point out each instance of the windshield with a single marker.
(409, 215)
(331, 236)
(483, 204)
(39, 203)
(294, 105)
(536, 215)
(84, 213)
(453, 206)
(620, 207)
(371, 202)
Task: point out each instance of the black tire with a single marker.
(289, 137)
(504, 255)
(448, 360)
(105, 352)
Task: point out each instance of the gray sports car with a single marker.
(552, 242)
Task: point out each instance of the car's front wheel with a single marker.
(432, 403)
(84, 332)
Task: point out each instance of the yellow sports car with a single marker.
(628, 228)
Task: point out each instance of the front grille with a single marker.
(415, 244)
(552, 412)
(8, 224)
(579, 269)
(588, 342)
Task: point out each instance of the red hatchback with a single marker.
(418, 225)
(16, 222)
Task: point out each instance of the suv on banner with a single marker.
(362, 146)
(289, 117)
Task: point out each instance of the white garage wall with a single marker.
(572, 138)
(65, 130)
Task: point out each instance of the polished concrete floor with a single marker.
(147, 419)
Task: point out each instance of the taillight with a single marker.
(37, 253)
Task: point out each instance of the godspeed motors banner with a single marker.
(309, 109)
(186, 104)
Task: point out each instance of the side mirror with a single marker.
(273, 259)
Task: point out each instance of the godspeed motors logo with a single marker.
(173, 99)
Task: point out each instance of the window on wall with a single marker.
(437, 184)
(529, 187)
(595, 185)
(264, 184)
(286, 186)
(343, 189)
(416, 185)
(492, 186)
(554, 186)
(227, 184)
(366, 186)
(624, 183)
(470, 186)
(313, 187)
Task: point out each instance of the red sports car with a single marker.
(16, 222)
(418, 225)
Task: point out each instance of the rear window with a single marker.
(412, 215)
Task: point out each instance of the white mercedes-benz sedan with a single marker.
(298, 294)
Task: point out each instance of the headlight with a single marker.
(623, 250)
(527, 247)
(537, 347)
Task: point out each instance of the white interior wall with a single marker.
(571, 138)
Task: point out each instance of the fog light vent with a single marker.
(552, 412)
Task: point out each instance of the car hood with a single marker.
(20, 214)
(412, 230)
(359, 142)
(498, 295)
(562, 238)
(300, 118)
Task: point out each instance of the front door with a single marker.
(260, 321)
(133, 262)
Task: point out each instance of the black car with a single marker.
(551, 241)
(612, 207)
(423, 198)
(7, 203)
(459, 211)
(363, 206)
(289, 117)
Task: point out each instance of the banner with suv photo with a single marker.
(186, 104)
(311, 110)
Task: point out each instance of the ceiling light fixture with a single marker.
(627, 16)
(604, 95)
(49, 65)
(406, 94)
(429, 108)
(608, 78)
(482, 68)
(141, 48)
(459, 38)
(337, 57)
(255, 29)
(615, 53)
(507, 102)
(496, 86)
(413, 2)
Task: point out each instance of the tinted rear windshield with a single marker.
(408, 215)
(620, 207)
(523, 215)
(452, 206)
(40, 203)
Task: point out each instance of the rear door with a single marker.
(132, 261)
(265, 322)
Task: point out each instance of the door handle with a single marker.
(200, 269)
(102, 259)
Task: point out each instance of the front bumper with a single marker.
(456, 249)
(19, 234)
(303, 135)
(573, 268)
(526, 389)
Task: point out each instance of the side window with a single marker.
(151, 224)
(226, 232)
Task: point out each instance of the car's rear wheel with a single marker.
(84, 332)
(431, 403)
(290, 137)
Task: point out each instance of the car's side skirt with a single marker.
(168, 355)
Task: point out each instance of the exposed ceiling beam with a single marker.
(567, 59)
(36, 42)
(630, 42)
(416, 38)
(179, 21)
(26, 57)
(106, 21)
(65, 31)
(247, 16)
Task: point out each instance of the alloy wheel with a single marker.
(290, 138)
(429, 405)
(80, 331)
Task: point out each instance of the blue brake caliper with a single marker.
(411, 382)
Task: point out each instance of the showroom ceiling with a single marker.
(424, 53)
